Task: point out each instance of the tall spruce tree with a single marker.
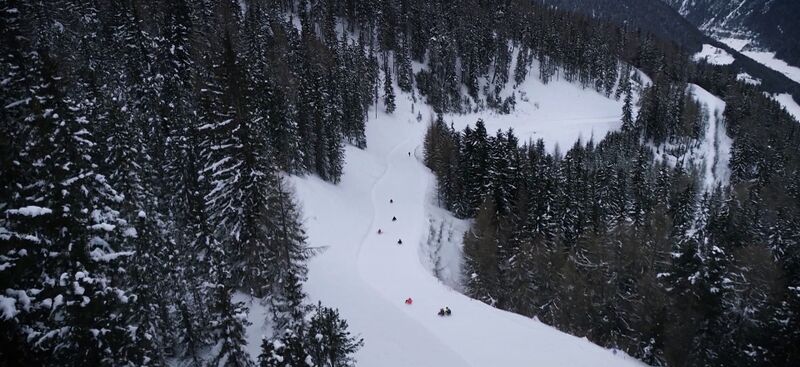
(388, 89)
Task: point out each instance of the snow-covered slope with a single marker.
(369, 275)
(558, 112)
(714, 55)
(715, 148)
(710, 154)
(791, 106)
(769, 60)
(765, 58)
(772, 23)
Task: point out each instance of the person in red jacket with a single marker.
(409, 301)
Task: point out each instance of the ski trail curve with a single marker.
(368, 276)
(397, 304)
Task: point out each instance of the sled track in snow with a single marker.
(398, 304)
(368, 276)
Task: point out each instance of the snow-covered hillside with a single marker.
(714, 55)
(709, 155)
(368, 275)
(769, 60)
(764, 57)
(558, 112)
(791, 106)
(714, 150)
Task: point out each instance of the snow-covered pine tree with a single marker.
(698, 276)
(350, 88)
(290, 253)
(239, 168)
(402, 62)
(71, 294)
(330, 146)
(519, 265)
(15, 97)
(627, 107)
(433, 144)
(624, 81)
(148, 280)
(481, 258)
(388, 89)
(228, 322)
(328, 342)
(284, 351)
(20, 98)
(541, 230)
(198, 248)
(502, 63)
(266, 100)
(309, 103)
(442, 146)
(475, 167)
(503, 171)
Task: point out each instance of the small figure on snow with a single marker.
(409, 301)
(441, 312)
(409, 154)
(394, 219)
(391, 201)
(447, 311)
(400, 242)
(379, 231)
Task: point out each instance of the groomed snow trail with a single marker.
(367, 275)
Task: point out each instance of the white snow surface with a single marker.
(768, 58)
(260, 326)
(763, 57)
(737, 44)
(30, 211)
(747, 78)
(786, 100)
(714, 55)
(558, 112)
(8, 307)
(441, 250)
(716, 144)
(368, 276)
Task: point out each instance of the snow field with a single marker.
(368, 275)
(791, 106)
(763, 57)
(714, 55)
(768, 59)
(716, 144)
(558, 112)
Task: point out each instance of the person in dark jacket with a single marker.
(394, 219)
(400, 241)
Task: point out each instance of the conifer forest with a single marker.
(255, 183)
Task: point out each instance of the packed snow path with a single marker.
(368, 275)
